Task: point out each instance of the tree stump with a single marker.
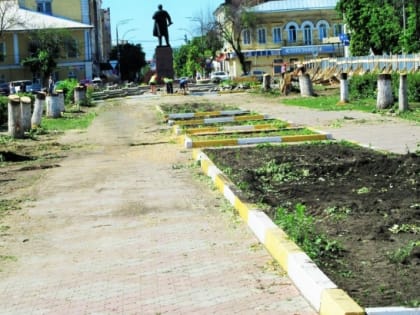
(267, 82)
(53, 106)
(79, 95)
(38, 109)
(61, 101)
(25, 107)
(305, 85)
(385, 98)
(344, 89)
(14, 112)
(402, 94)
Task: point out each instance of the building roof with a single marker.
(23, 20)
(294, 5)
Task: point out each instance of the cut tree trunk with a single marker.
(344, 88)
(267, 82)
(53, 106)
(25, 105)
(38, 109)
(385, 98)
(402, 95)
(14, 112)
(305, 85)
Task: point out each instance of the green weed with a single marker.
(400, 255)
(301, 228)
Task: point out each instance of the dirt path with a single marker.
(126, 225)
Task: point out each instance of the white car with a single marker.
(219, 76)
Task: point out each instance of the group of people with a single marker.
(154, 80)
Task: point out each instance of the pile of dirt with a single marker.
(366, 201)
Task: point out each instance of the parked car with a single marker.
(19, 84)
(34, 88)
(219, 76)
(257, 74)
(4, 89)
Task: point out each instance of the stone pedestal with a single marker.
(164, 62)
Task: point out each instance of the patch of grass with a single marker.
(9, 205)
(68, 121)
(7, 258)
(330, 103)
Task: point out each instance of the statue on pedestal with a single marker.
(162, 21)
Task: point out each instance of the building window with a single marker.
(322, 30)
(277, 35)
(261, 36)
(307, 35)
(246, 37)
(2, 52)
(338, 29)
(292, 34)
(44, 6)
(71, 48)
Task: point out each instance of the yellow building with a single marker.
(83, 18)
(289, 31)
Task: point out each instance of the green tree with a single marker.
(132, 59)
(45, 47)
(383, 26)
(230, 25)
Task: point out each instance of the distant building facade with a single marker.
(83, 18)
(290, 31)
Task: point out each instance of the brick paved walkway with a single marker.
(127, 228)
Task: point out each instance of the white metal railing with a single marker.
(368, 63)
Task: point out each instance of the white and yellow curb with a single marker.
(189, 143)
(314, 285)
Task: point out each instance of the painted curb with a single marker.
(314, 285)
(190, 143)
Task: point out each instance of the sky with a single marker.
(133, 18)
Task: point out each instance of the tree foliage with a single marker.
(235, 19)
(45, 47)
(132, 59)
(382, 26)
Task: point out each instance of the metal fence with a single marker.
(395, 63)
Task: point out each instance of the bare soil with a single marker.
(367, 201)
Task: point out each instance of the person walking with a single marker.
(162, 21)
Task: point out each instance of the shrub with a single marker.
(68, 86)
(3, 109)
(363, 86)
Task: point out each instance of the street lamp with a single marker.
(122, 22)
